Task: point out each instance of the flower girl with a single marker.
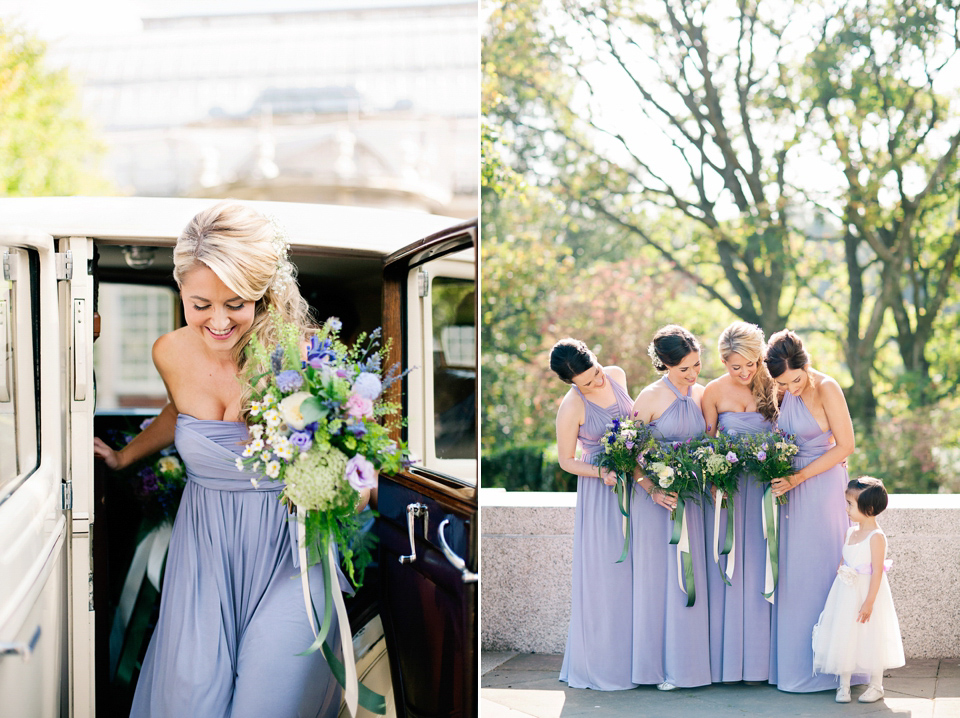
(858, 631)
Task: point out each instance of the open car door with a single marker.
(428, 513)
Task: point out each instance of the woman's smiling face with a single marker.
(686, 372)
(740, 369)
(792, 380)
(590, 380)
(213, 310)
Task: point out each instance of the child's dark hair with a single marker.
(871, 496)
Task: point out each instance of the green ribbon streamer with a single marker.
(373, 702)
(773, 538)
(624, 494)
(688, 582)
(728, 539)
(677, 516)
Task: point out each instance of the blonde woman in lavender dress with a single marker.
(670, 640)
(742, 401)
(598, 641)
(814, 522)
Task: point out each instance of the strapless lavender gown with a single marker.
(670, 641)
(739, 614)
(232, 620)
(813, 525)
(598, 642)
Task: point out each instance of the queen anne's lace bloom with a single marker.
(317, 481)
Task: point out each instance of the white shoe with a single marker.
(871, 695)
(843, 694)
(665, 686)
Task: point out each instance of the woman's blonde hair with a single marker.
(747, 341)
(247, 252)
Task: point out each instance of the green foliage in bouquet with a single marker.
(769, 455)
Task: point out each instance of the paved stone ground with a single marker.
(525, 685)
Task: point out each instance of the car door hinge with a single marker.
(423, 283)
(8, 268)
(64, 265)
(66, 495)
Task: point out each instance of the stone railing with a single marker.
(527, 551)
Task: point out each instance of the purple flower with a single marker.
(357, 428)
(676, 444)
(762, 455)
(319, 354)
(276, 360)
(367, 385)
(335, 324)
(303, 440)
(611, 439)
(146, 422)
(148, 481)
(289, 381)
(343, 373)
(629, 445)
(361, 473)
(732, 458)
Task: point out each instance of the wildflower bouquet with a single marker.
(720, 461)
(316, 425)
(769, 455)
(623, 444)
(674, 467)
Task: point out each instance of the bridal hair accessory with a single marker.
(281, 245)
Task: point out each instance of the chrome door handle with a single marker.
(24, 649)
(413, 512)
(457, 562)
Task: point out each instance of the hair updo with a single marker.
(747, 341)
(570, 357)
(670, 345)
(241, 246)
(871, 495)
(785, 351)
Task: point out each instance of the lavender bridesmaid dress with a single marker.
(739, 614)
(813, 525)
(231, 619)
(598, 642)
(670, 641)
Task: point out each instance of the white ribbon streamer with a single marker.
(732, 556)
(351, 691)
(683, 546)
(768, 587)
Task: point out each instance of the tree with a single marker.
(46, 147)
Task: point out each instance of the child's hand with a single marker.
(865, 611)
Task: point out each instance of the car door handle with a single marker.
(24, 649)
(414, 511)
(458, 563)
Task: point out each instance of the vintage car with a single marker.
(78, 573)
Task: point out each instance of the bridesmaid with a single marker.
(598, 642)
(814, 522)
(742, 401)
(670, 641)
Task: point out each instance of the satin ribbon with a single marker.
(730, 540)
(355, 693)
(771, 529)
(681, 539)
(867, 568)
(624, 492)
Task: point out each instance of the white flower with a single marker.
(239, 463)
(247, 452)
(168, 463)
(269, 400)
(256, 445)
(255, 408)
(272, 417)
(290, 409)
(665, 483)
(265, 456)
(273, 469)
(284, 449)
(256, 484)
(256, 431)
(847, 574)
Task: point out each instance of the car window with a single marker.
(18, 366)
(454, 368)
(132, 317)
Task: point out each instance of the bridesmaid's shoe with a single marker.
(871, 695)
(665, 686)
(843, 694)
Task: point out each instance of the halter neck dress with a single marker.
(598, 647)
(670, 641)
(739, 614)
(813, 525)
(231, 619)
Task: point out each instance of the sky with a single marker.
(56, 19)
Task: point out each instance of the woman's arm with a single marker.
(642, 411)
(708, 405)
(878, 549)
(568, 428)
(838, 419)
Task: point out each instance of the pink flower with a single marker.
(359, 406)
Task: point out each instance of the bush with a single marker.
(530, 467)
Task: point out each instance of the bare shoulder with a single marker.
(169, 348)
(713, 390)
(617, 374)
(827, 387)
(878, 540)
(698, 390)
